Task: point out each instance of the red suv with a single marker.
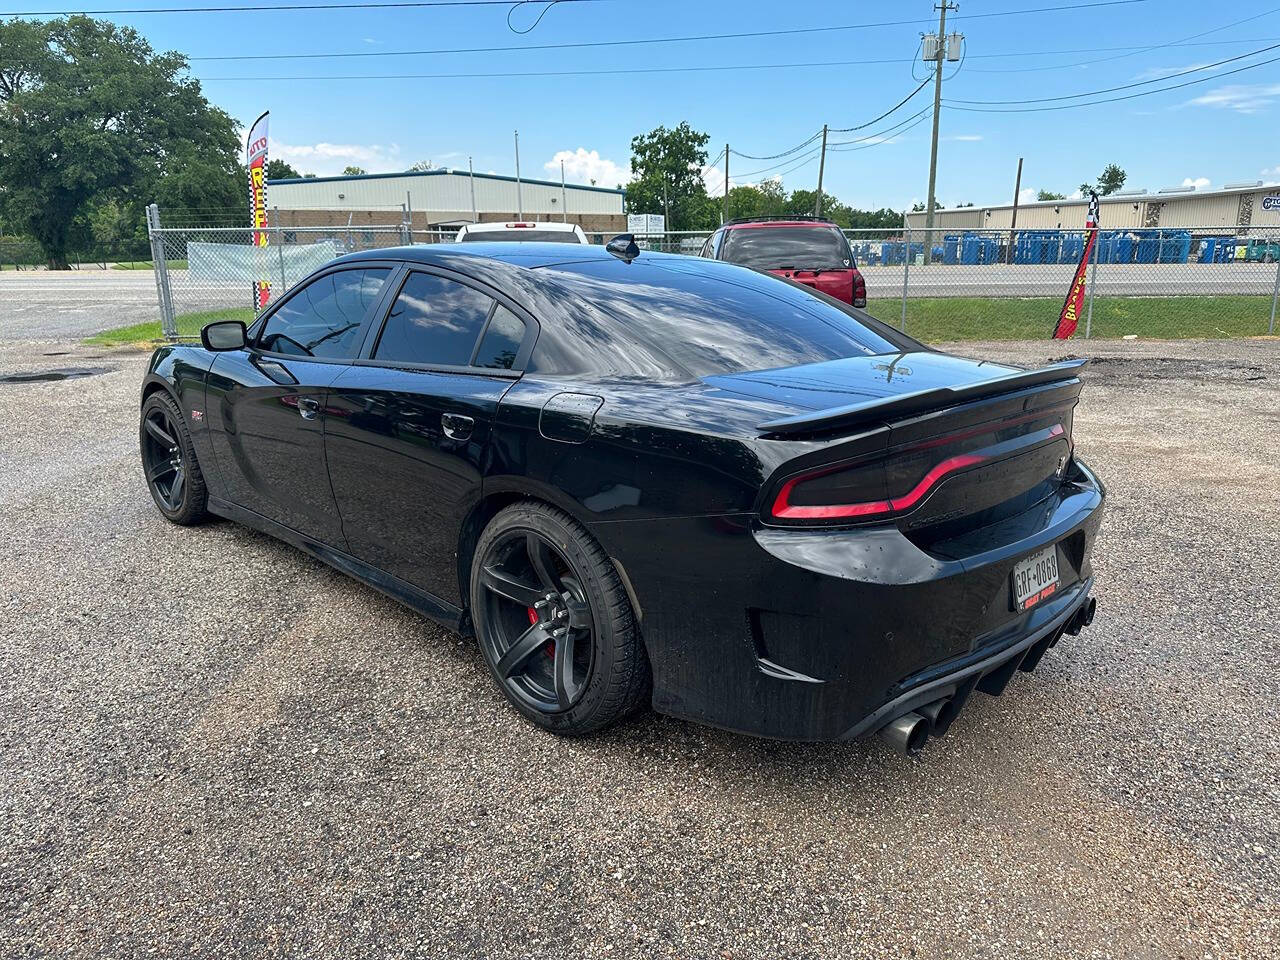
(808, 250)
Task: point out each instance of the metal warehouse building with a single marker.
(1245, 205)
(440, 198)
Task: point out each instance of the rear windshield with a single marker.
(663, 317)
(785, 248)
(521, 236)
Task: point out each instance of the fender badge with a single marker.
(197, 414)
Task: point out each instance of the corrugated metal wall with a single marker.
(446, 193)
(1209, 209)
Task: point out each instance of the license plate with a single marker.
(1035, 578)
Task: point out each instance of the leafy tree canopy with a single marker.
(1109, 181)
(667, 177)
(91, 115)
(353, 171)
(281, 170)
(1050, 195)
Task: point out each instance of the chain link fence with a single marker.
(17, 253)
(936, 285)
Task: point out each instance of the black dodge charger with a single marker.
(645, 478)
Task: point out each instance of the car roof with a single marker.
(755, 224)
(530, 255)
(524, 225)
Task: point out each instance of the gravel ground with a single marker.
(213, 745)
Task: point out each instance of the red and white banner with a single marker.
(1070, 315)
(255, 152)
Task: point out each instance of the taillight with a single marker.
(784, 509)
(859, 492)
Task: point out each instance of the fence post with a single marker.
(1093, 281)
(906, 272)
(168, 324)
(280, 254)
(1275, 294)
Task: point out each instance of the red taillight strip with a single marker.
(784, 509)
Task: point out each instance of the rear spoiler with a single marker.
(922, 401)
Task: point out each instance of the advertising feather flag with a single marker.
(255, 150)
(1070, 315)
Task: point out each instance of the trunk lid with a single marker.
(935, 443)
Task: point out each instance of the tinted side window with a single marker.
(501, 341)
(323, 318)
(434, 320)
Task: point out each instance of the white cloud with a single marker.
(371, 40)
(1240, 97)
(328, 159)
(587, 166)
(1156, 73)
(1272, 172)
(1075, 195)
(713, 177)
(966, 137)
(1027, 195)
(1198, 182)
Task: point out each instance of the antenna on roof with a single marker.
(624, 247)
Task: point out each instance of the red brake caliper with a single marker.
(550, 648)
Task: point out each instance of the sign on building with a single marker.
(1271, 203)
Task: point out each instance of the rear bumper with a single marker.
(988, 670)
(809, 634)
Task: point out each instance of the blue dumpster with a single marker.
(950, 248)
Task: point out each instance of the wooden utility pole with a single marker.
(822, 163)
(1013, 219)
(724, 217)
(937, 110)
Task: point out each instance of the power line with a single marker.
(810, 155)
(255, 8)
(1123, 86)
(880, 140)
(1130, 96)
(775, 156)
(546, 73)
(376, 4)
(1180, 42)
(847, 144)
(886, 113)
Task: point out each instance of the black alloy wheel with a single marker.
(554, 622)
(169, 461)
(541, 632)
(162, 458)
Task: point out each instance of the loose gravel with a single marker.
(213, 745)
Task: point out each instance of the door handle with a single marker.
(456, 426)
(308, 408)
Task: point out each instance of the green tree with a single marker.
(1109, 181)
(89, 113)
(353, 171)
(764, 199)
(280, 170)
(667, 177)
(1050, 195)
(422, 166)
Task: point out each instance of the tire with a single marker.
(169, 460)
(555, 624)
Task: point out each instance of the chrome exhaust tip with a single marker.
(907, 734)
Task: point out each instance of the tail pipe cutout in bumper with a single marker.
(914, 722)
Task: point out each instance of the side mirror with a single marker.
(223, 335)
(624, 247)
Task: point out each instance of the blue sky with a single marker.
(1220, 131)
